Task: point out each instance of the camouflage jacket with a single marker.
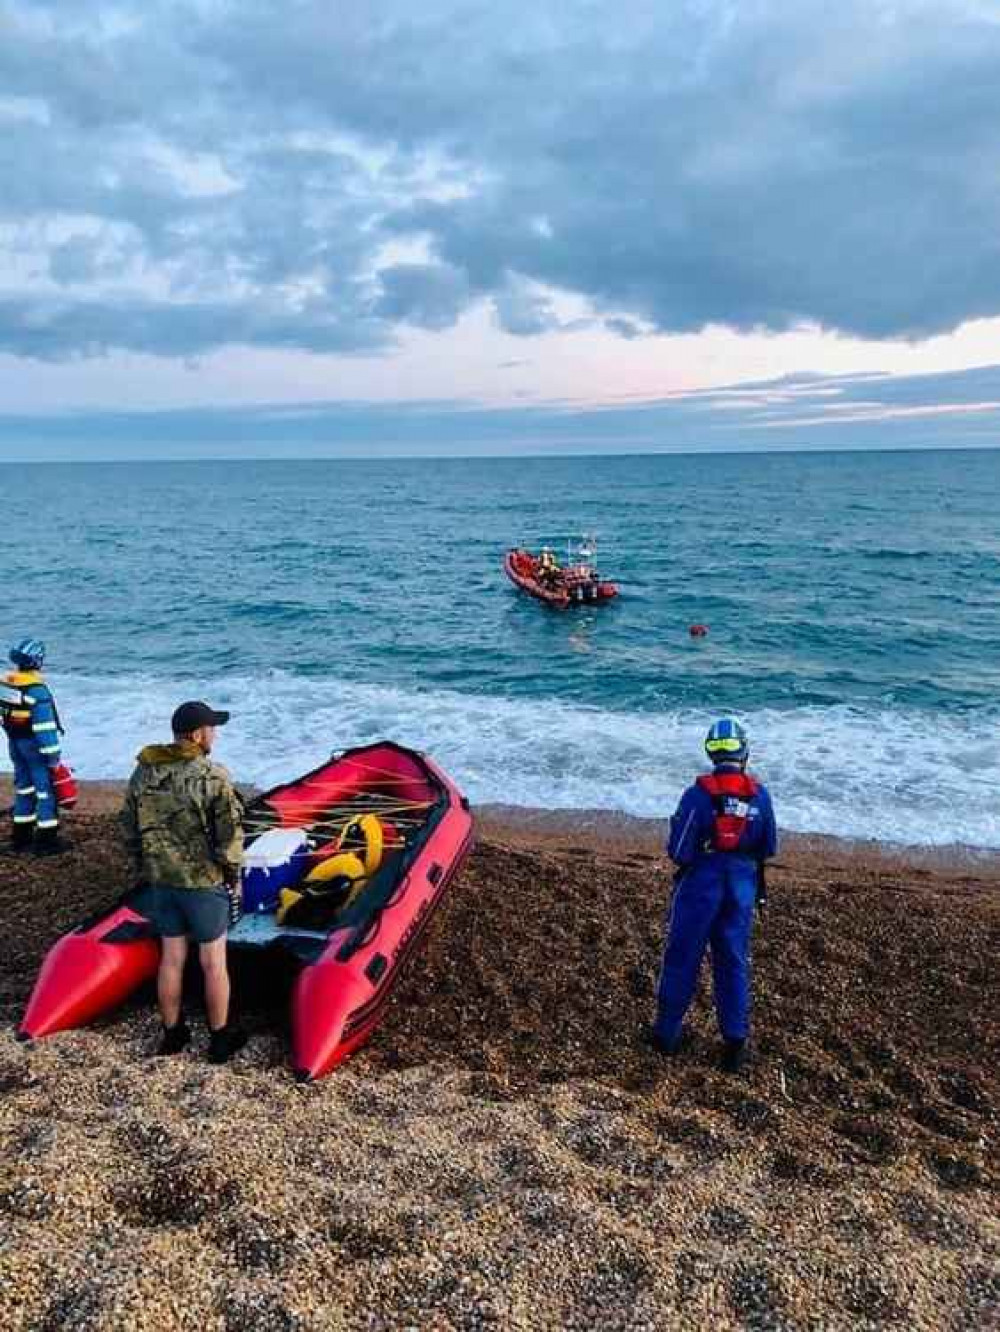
(182, 818)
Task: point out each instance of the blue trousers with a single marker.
(34, 798)
(713, 906)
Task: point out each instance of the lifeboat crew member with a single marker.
(549, 571)
(585, 577)
(33, 740)
(721, 834)
(183, 825)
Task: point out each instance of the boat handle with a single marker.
(369, 933)
(356, 941)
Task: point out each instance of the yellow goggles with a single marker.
(724, 746)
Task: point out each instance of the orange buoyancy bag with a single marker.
(731, 794)
(15, 710)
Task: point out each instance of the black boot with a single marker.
(174, 1038)
(670, 1048)
(224, 1043)
(21, 837)
(49, 843)
(734, 1056)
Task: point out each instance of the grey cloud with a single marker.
(704, 164)
(522, 311)
(755, 166)
(625, 328)
(427, 295)
(84, 259)
(54, 329)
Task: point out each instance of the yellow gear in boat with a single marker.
(359, 853)
(286, 900)
(365, 837)
(344, 865)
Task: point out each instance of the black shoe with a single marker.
(224, 1043)
(49, 843)
(174, 1038)
(734, 1056)
(661, 1045)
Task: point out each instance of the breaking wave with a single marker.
(887, 774)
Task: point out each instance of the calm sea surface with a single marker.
(853, 602)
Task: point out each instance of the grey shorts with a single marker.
(201, 914)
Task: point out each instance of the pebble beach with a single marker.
(507, 1153)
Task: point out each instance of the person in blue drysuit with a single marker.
(720, 836)
(33, 740)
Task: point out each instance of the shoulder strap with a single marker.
(728, 784)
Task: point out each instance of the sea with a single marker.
(852, 602)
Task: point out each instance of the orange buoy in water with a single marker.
(698, 631)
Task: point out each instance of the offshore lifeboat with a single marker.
(573, 585)
(412, 830)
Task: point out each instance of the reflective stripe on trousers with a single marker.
(34, 798)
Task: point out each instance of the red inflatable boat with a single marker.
(346, 969)
(573, 585)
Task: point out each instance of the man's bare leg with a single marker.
(213, 964)
(170, 979)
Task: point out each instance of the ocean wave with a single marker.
(898, 553)
(886, 773)
(274, 611)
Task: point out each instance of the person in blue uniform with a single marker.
(720, 836)
(33, 729)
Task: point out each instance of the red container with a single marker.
(64, 785)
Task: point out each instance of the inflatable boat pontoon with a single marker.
(346, 964)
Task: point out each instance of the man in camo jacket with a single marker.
(183, 827)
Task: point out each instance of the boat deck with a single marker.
(257, 929)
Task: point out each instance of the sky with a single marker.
(299, 227)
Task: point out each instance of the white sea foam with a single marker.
(850, 772)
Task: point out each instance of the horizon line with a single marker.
(507, 455)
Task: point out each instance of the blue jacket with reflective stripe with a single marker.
(42, 725)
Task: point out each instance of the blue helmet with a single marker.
(29, 654)
(727, 742)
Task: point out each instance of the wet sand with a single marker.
(507, 1153)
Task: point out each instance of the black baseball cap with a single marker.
(191, 716)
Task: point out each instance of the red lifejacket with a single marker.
(731, 794)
